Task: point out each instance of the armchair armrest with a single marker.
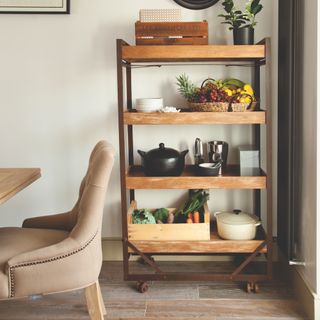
(52, 269)
(61, 221)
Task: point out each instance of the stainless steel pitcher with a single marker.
(218, 152)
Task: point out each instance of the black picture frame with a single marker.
(196, 4)
(35, 7)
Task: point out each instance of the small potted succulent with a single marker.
(241, 22)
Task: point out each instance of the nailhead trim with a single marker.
(26, 264)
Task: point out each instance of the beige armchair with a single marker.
(62, 252)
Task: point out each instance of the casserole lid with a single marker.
(237, 217)
(163, 153)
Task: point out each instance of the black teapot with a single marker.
(163, 161)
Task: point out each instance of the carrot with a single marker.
(196, 217)
(189, 220)
(190, 216)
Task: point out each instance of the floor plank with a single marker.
(165, 300)
(225, 308)
(236, 291)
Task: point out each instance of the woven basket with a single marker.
(209, 107)
(243, 107)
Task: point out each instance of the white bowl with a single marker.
(149, 103)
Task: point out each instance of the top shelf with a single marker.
(191, 53)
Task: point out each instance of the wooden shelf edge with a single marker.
(135, 179)
(157, 118)
(159, 53)
(215, 245)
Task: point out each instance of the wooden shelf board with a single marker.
(176, 53)
(135, 179)
(214, 245)
(157, 118)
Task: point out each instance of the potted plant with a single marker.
(242, 23)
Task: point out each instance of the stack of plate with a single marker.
(149, 104)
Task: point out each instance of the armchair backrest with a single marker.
(88, 210)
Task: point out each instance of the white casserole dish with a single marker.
(236, 225)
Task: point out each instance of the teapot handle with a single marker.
(183, 153)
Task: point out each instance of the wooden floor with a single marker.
(165, 300)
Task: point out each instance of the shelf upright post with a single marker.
(257, 135)
(268, 86)
(122, 160)
(130, 127)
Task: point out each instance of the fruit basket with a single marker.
(217, 95)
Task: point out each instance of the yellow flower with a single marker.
(248, 89)
(229, 92)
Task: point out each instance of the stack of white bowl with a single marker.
(149, 104)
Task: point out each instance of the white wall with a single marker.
(58, 98)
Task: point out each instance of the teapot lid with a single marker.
(163, 153)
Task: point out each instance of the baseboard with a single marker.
(112, 249)
(309, 300)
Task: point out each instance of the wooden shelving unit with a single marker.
(132, 176)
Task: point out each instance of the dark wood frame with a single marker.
(21, 11)
(126, 141)
(196, 4)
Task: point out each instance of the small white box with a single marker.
(249, 161)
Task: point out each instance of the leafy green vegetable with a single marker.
(194, 203)
(142, 216)
(161, 214)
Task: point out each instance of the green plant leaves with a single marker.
(254, 4)
(238, 19)
(257, 9)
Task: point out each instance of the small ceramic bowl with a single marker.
(208, 169)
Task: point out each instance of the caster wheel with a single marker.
(250, 287)
(253, 287)
(142, 287)
(141, 261)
